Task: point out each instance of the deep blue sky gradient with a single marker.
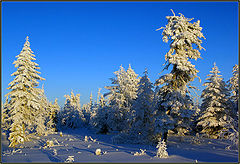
(79, 45)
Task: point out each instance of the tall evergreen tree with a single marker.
(215, 105)
(174, 106)
(141, 130)
(122, 95)
(131, 86)
(117, 101)
(234, 87)
(100, 115)
(24, 96)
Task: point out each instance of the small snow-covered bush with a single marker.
(93, 140)
(9, 152)
(86, 139)
(162, 150)
(70, 159)
(49, 143)
(55, 152)
(70, 139)
(56, 141)
(141, 153)
(98, 152)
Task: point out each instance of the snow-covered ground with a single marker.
(73, 143)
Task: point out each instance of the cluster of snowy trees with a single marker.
(134, 109)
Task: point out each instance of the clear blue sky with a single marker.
(79, 45)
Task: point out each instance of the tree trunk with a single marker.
(165, 136)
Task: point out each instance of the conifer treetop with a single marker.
(183, 35)
(26, 73)
(214, 77)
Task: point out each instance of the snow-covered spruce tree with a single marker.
(102, 114)
(117, 101)
(141, 130)
(195, 116)
(55, 114)
(122, 95)
(94, 109)
(87, 110)
(71, 116)
(51, 121)
(99, 116)
(91, 101)
(162, 150)
(230, 131)
(174, 111)
(174, 107)
(45, 116)
(215, 108)
(234, 87)
(24, 96)
(42, 114)
(131, 86)
(75, 103)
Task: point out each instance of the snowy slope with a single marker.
(72, 144)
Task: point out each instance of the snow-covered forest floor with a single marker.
(72, 143)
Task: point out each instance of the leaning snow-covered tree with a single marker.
(215, 108)
(24, 96)
(141, 130)
(174, 106)
(121, 96)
